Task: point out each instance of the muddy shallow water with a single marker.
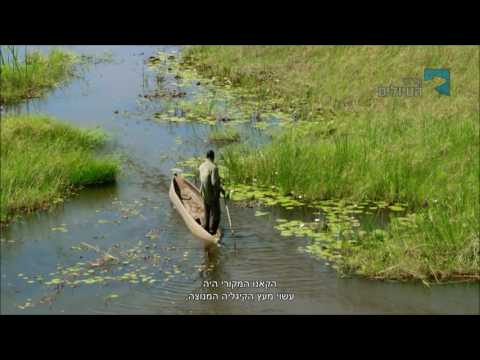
(96, 216)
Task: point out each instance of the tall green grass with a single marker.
(431, 165)
(353, 144)
(43, 158)
(31, 74)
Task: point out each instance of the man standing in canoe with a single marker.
(211, 188)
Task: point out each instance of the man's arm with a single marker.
(216, 180)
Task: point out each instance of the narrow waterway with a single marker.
(135, 213)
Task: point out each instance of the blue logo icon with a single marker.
(442, 89)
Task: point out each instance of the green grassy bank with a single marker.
(42, 159)
(25, 77)
(350, 143)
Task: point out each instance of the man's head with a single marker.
(211, 155)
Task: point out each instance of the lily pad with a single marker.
(260, 213)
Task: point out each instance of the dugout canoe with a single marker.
(187, 200)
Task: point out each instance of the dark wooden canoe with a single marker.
(187, 199)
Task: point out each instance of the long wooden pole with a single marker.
(228, 215)
(230, 223)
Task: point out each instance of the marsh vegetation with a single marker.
(43, 159)
(345, 142)
(27, 74)
(224, 135)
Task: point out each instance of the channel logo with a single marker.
(430, 74)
